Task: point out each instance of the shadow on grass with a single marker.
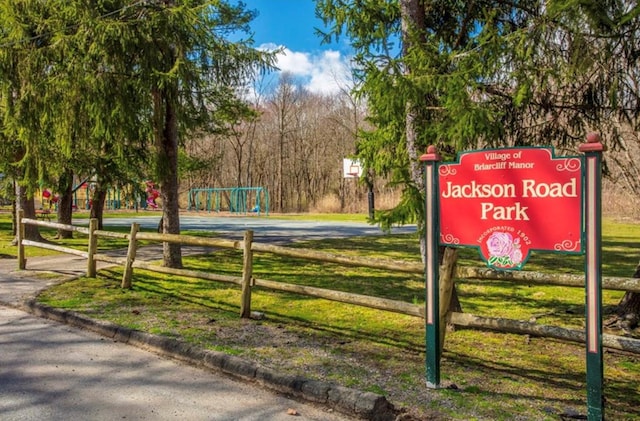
(178, 290)
(622, 395)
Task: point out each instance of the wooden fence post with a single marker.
(131, 256)
(22, 261)
(447, 281)
(247, 275)
(93, 246)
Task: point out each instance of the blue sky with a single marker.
(291, 24)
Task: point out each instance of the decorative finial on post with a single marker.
(593, 144)
(431, 155)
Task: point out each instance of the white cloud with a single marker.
(325, 72)
(330, 73)
(298, 64)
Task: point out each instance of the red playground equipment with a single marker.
(152, 194)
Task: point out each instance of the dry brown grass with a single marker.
(618, 203)
(328, 204)
(357, 202)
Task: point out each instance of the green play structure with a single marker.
(116, 198)
(238, 200)
(82, 198)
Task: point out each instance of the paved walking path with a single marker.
(49, 371)
(54, 371)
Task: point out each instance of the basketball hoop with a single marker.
(351, 168)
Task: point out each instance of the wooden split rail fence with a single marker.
(247, 281)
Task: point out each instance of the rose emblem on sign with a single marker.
(504, 251)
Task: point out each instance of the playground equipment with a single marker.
(82, 197)
(152, 194)
(239, 199)
(117, 198)
(113, 199)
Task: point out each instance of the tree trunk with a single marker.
(413, 16)
(454, 301)
(628, 310)
(413, 19)
(167, 150)
(280, 185)
(413, 22)
(14, 218)
(27, 205)
(65, 203)
(97, 204)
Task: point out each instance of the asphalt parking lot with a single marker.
(265, 228)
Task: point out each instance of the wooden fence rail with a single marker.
(247, 281)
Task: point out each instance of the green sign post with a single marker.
(432, 230)
(593, 270)
(498, 201)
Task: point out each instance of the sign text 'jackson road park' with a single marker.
(508, 202)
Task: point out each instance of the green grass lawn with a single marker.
(490, 376)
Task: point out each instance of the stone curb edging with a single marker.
(363, 405)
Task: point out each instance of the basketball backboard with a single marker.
(351, 168)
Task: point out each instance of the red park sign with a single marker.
(510, 201)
